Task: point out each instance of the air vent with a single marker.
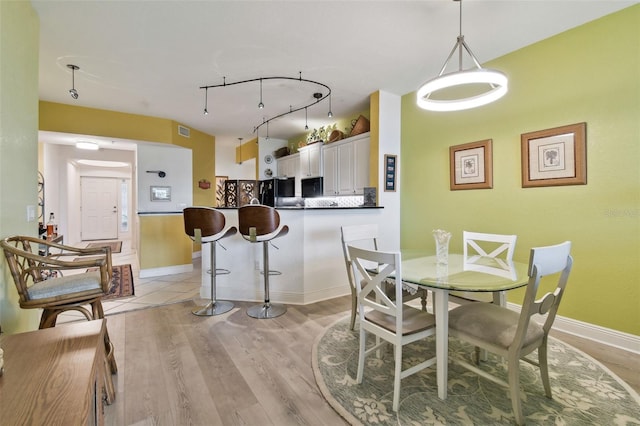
(184, 131)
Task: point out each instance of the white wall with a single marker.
(226, 161)
(176, 163)
(268, 147)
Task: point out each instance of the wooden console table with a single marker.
(54, 376)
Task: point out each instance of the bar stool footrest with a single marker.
(219, 271)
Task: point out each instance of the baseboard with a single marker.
(167, 270)
(596, 333)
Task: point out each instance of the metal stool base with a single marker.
(213, 308)
(266, 311)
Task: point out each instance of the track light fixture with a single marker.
(306, 123)
(329, 114)
(73, 92)
(239, 150)
(318, 96)
(206, 98)
(478, 76)
(260, 105)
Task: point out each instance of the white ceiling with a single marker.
(151, 57)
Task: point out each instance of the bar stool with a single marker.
(206, 225)
(259, 224)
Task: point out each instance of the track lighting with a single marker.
(306, 123)
(318, 96)
(329, 114)
(260, 105)
(206, 98)
(73, 92)
(239, 150)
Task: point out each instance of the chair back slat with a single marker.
(497, 246)
(210, 221)
(544, 261)
(264, 219)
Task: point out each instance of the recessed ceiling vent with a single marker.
(184, 131)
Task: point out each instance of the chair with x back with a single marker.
(513, 335)
(386, 317)
(366, 236)
(478, 246)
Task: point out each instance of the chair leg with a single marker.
(397, 376)
(361, 355)
(544, 369)
(354, 308)
(98, 313)
(514, 388)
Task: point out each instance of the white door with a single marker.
(99, 205)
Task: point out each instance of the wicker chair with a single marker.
(42, 283)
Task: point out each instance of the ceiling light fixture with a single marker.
(318, 96)
(92, 146)
(239, 150)
(260, 105)
(329, 114)
(206, 98)
(495, 79)
(73, 92)
(306, 122)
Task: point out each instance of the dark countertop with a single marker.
(277, 208)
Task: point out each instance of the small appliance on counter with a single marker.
(312, 187)
(272, 189)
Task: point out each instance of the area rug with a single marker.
(116, 246)
(584, 391)
(121, 283)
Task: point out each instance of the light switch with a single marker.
(31, 213)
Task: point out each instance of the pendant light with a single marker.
(206, 98)
(496, 80)
(261, 105)
(73, 92)
(240, 150)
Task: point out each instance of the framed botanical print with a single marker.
(554, 157)
(471, 165)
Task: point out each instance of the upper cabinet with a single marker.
(289, 166)
(346, 166)
(310, 161)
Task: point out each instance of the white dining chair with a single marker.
(513, 335)
(386, 317)
(478, 245)
(366, 236)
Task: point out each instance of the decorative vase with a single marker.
(442, 238)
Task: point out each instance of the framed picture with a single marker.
(554, 157)
(390, 165)
(471, 165)
(160, 193)
(220, 180)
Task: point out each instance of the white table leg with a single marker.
(442, 340)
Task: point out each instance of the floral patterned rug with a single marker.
(584, 391)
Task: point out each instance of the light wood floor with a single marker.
(179, 369)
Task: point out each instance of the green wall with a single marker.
(19, 41)
(588, 74)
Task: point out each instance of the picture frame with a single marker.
(160, 193)
(220, 180)
(390, 167)
(554, 157)
(471, 165)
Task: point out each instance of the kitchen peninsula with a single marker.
(309, 257)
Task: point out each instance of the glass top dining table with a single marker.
(473, 274)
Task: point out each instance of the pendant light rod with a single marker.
(318, 96)
(73, 92)
(206, 98)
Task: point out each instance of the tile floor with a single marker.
(148, 291)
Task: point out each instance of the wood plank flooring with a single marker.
(176, 368)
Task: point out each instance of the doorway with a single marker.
(99, 206)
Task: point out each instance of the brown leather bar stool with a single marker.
(259, 224)
(206, 225)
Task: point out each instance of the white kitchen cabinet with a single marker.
(310, 161)
(346, 166)
(288, 166)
